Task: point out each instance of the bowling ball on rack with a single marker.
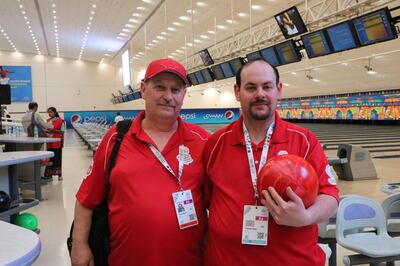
(292, 171)
(5, 201)
(26, 220)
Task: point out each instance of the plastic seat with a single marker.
(361, 227)
(391, 208)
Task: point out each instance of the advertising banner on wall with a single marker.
(196, 116)
(379, 105)
(20, 80)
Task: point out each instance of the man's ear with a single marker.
(237, 90)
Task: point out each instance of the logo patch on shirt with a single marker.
(282, 153)
(184, 153)
(329, 172)
(89, 170)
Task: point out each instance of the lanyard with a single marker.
(264, 154)
(166, 165)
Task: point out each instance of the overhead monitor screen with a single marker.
(253, 56)
(192, 79)
(199, 77)
(290, 22)
(218, 73)
(207, 75)
(227, 69)
(206, 57)
(287, 52)
(374, 27)
(269, 54)
(316, 44)
(342, 37)
(236, 64)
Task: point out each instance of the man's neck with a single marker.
(159, 125)
(258, 128)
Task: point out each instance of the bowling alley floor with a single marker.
(55, 213)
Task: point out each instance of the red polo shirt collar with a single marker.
(279, 135)
(136, 130)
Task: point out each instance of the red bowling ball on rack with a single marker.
(291, 170)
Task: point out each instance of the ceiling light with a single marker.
(136, 14)
(133, 20)
(54, 11)
(107, 54)
(204, 36)
(185, 18)
(160, 37)
(179, 51)
(202, 4)
(293, 73)
(140, 8)
(171, 29)
(242, 15)
(156, 41)
(256, 7)
(189, 44)
(190, 11)
(123, 34)
(211, 31)
(91, 18)
(126, 30)
(221, 27)
(197, 41)
(176, 23)
(129, 26)
(94, 6)
(229, 21)
(21, 6)
(53, 5)
(147, 1)
(163, 33)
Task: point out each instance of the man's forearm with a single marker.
(325, 206)
(82, 222)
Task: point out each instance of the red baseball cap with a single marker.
(166, 65)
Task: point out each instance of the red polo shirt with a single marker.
(143, 223)
(231, 188)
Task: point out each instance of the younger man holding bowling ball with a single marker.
(246, 228)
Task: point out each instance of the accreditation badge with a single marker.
(184, 208)
(255, 225)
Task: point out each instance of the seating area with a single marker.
(91, 133)
(365, 227)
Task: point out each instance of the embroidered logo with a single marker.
(89, 170)
(184, 155)
(282, 153)
(329, 172)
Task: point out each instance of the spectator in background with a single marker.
(118, 118)
(32, 119)
(56, 132)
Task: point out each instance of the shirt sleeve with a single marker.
(317, 157)
(93, 187)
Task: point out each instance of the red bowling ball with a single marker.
(290, 170)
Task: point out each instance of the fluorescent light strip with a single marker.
(87, 31)
(54, 11)
(3, 32)
(26, 18)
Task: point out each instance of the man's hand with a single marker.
(290, 213)
(81, 255)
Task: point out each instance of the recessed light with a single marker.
(176, 23)
(140, 8)
(54, 12)
(293, 73)
(256, 7)
(204, 36)
(21, 6)
(160, 37)
(185, 18)
(229, 21)
(221, 27)
(53, 5)
(92, 12)
(155, 41)
(133, 20)
(179, 51)
(242, 15)
(197, 41)
(202, 4)
(129, 26)
(189, 44)
(91, 18)
(94, 6)
(136, 15)
(171, 29)
(211, 31)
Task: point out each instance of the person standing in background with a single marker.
(118, 118)
(56, 147)
(32, 119)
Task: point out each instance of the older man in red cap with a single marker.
(156, 211)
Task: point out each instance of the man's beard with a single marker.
(260, 116)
